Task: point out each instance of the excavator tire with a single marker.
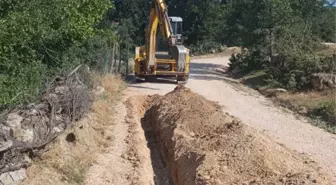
(138, 80)
(182, 79)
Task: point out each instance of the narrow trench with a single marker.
(161, 171)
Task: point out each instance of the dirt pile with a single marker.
(202, 145)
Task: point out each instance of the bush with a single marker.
(327, 110)
(39, 39)
(294, 72)
(289, 71)
(96, 51)
(245, 63)
(205, 47)
(236, 63)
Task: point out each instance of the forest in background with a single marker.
(40, 39)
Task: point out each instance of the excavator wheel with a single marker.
(182, 79)
(138, 80)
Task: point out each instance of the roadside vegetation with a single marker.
(48, 53)
(76, 150)
(285, 50)
(43, 39)
(319, 105)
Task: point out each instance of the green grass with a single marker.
(321, 106)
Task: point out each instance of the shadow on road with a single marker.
(131, 79)
(198, 71)
(142, 87)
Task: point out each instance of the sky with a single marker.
(330, 3)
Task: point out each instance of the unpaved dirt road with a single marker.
(253, 109)
(110, 167)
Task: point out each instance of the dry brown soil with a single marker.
(190, 141)
(202, 145)
(279, 124)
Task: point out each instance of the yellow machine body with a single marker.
(174, 63)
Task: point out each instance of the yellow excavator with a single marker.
(149, 64)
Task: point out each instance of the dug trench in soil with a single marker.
(202, 145)
(143, 152)
(161, 172)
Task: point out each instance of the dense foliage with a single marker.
(209, 24)
(282, 38)
(39, 38)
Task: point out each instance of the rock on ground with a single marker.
(322, 81)
(13, 178)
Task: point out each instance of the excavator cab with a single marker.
(176, 23)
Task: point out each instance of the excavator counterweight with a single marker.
(175, 62)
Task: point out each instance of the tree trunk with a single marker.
(271, 44)
(113, 58)
(119, 67)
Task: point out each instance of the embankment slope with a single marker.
(202, 145)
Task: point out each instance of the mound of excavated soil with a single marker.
(202, 145)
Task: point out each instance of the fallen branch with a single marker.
(75, 70)
(6, 145)
(16, 167)
(25, 148)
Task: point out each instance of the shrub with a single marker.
(291, 71)
(245, 63)
(295, 71)
(327, 110)
(39, 39)
(204, 47)
(236, 63)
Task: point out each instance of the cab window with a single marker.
(173, 24)
(179, 29)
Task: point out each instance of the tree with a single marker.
(135, 13)
(203, 20)
(324, 24)
(34, 37)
